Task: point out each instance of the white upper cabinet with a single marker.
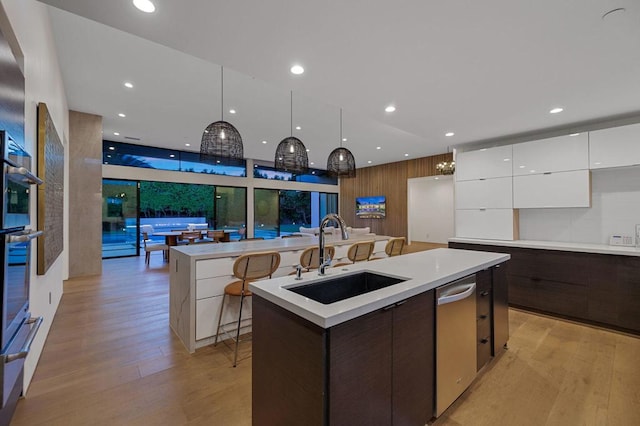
(615, 147)
(563, 153)
(484, 163)
(484, 194)
(548, 190)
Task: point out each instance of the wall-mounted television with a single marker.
(371, 207)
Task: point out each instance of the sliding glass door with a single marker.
(119, 218)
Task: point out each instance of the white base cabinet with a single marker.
(491, 224)
(550, 190)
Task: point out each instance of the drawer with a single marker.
(550, 296)
(214, 267)
(483, 342)
(209, 287)
(483, 303)
(483, 326)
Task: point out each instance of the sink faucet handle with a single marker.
(298, 272)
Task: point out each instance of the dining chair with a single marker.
(148, 248)
(358, 252)
(393, 247)
(247, 268)
(216, 236)
(191, 236)
(310, 258)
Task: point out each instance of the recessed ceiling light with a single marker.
(532, 171)
(574, 134)
(297, 69)
(406, 155)
(187, 144)
(506, 159)
(312, 163)
(264, 141)
(597, 163)
(378, 147)
(390, 108)
(116, 133)
(449, 134)
(144, 5)
(344, 139)
(308, 150)
(232, 111)
(522, 167)
(122, 115)
(298, 128)
(112, 148)
(556, 110)
(171, 155)
(128, 85)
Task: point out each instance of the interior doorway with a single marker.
(430, 209)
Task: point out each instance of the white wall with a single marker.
(615, 210)
(430, 209)
(28, 21)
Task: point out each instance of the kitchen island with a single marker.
(199, 273)
(367, 359)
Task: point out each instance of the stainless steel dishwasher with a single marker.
(455, 340)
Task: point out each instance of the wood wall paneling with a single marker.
(389, 180)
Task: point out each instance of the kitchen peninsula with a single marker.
(199, 273)
(369, 358)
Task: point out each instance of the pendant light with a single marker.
(221, 140)
(341, 162)
(291, 154)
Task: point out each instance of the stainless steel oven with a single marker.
(18, 329)
(17, 182)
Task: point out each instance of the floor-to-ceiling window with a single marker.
(266, 215)
(231, 210)
(295, 211)
(119, 218)
(166, 206)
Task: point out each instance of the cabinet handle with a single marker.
(386, 308)
(402, 302)
(484, 341)
(483, 317)
(546, 173)
(484, 293)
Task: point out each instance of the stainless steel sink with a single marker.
(345, 286)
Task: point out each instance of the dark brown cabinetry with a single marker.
(377, 369)
(597, 288)
(492, 312)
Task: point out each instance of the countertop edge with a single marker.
(553, 245)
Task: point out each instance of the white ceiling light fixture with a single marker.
(116, 133)
(145, 5)
(344, 139)
(378, 147)
(369, 162)
(449, 134)
(390, 108)
(128, 85)
(122, 115)
(264, 142)
(574, 134)
(187, 144)
(556, 110)
(297, 69)
(232, 111)
(298, 128)
(406, 155)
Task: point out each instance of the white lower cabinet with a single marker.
(208, 310)
(492, 224)
(549, 190)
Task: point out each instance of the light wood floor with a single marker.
(111, 359)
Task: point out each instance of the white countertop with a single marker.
(236, 248)
(423, 270)
(554, 245)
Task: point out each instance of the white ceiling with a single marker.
(480, 69)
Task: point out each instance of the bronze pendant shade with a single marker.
(291, 154)
(221, 141)
(341, 162)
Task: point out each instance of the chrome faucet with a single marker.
(343, 229)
